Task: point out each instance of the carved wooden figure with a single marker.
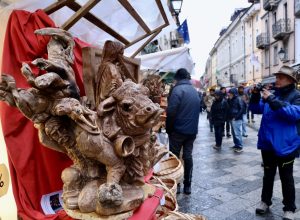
(98, 141)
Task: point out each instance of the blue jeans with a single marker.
(236, 130)
(244, 131)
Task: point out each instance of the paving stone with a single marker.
(244, 214)
(213, 214)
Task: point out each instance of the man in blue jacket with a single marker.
(278, 139)
(182, 122)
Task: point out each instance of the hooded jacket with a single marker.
(219, 109)
(236, 106)
(183, 109)
(280, 125)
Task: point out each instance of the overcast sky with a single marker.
(205, 21)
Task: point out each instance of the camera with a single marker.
(261, 86)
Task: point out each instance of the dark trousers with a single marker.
(285, 167)
(178, 141)
(219, 129)
(226, 127)
(249, 113)
(210, 121)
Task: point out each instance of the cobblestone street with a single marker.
(227, 185)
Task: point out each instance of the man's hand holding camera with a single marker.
(270, 98)
(265, 93)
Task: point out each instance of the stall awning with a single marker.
(168, 60)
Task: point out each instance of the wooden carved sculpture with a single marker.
(155, 86)
(97, 141)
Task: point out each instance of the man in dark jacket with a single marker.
(236, 110)
(278, 139)
(227, 124)
(182, 122)
(219, 111)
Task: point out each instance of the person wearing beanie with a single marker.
(227, 124)
(235, 115)
(209, 99)
(182, 123)
(279, 138)
(245, 99)
(219, 111)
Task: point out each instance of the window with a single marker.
(274, 18)
(267, 27)
(275, 55)
(285, 11)
(286, 49)
(267, 63)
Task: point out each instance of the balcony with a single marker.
(297, 8)
(262, 41)
(270, 5)
(281, 29)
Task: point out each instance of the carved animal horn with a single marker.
(106, 105)
(62, 35)
(124, 145)
(86, 122)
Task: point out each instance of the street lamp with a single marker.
(176, 9)
(282, 54)
(176, 5)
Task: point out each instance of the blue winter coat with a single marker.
(280, 125)
(183, 109)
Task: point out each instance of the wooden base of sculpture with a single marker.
(133, 197)
(76, 214)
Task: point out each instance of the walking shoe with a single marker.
(253, 121)
(178, 188)
(248, 121)
(262, 208)
(238, 150)
(228, 135)
(245, 135)
(217, 147)
(288, 215)
(187, 190)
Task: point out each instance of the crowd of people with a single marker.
(228, 112)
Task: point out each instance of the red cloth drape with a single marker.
(35, 169)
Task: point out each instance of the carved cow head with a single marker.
(135, 113)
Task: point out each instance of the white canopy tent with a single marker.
(168, 60)
(113, 14)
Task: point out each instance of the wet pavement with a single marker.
(227, 185)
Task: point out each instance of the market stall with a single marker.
(35, 169)
(32, 172)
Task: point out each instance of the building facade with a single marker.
(252, 56)
(259, 40)
(278, 27)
